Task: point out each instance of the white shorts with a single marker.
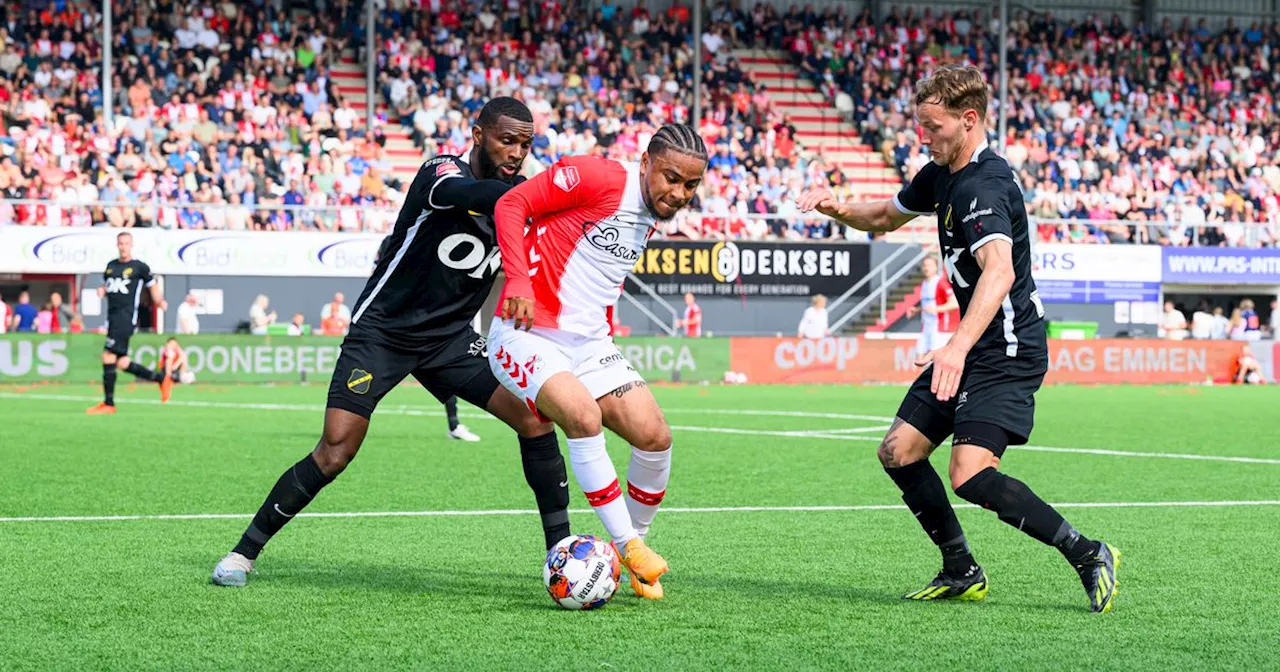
(523, 360)
(931, 340)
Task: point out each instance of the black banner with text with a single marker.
(751, 268)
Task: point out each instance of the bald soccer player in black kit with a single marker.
(415, 318)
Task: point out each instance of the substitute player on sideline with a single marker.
(983, 382)
(936, 303)
(123, 281)
(414, 318)
(589, 220)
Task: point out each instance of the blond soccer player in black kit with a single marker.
(981, 385)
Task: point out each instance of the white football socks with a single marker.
(647, 478)
(599, 480)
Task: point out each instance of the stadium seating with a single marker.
(233, 114)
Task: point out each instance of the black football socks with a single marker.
(1018, 506)
(291, 494)
(926, 497)
(545, 472)
(109, 384)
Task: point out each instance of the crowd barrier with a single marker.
(230, 358)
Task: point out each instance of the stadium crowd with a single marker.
(233, 106)
(1110, 122)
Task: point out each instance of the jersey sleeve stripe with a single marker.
(904, 210)
(1010, 336)
(973, 249)
(391, 268)
(431, 204)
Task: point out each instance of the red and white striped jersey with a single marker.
(588, 224)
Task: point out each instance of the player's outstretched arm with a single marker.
(468, 193)
(995, 257)
(875, 217)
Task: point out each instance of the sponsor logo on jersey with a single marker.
(447, 168)
(128, 271)
(117, 285)
(359, 381)
(567, 178)
(534, 364)
(478, 347)
(973, 213)
(964, 399)
(946, 222)
(606, 238)
(615, 357)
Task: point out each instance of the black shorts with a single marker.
(118, 339)
(994, 390)
(367, 370)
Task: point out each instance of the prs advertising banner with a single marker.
(1096, 273)
(854, 360)
(1221, 266)
(227, 358)
(743, 268)
(28, 249)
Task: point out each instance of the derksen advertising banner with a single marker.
(1103, 361)
(1221, 266)
(746, 268)
(1096, 273)
(35, 249)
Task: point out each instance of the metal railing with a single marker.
(878, 270)
(670, 326)
(881, 292)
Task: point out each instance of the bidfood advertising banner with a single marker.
(1096, 273)
(228, 358)
(35, 249)
(745, 268)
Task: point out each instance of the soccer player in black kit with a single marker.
(123, 281)
(981, 385)
(414, 318)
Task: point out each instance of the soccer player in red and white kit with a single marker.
(589, 220)
(937, 302)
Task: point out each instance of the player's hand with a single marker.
(163, 305)
(948, 369)
(911, 312)
(820, 199)
(519, 310)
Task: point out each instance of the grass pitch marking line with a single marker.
(834, 434)
(665, 510)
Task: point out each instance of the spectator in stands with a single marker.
(259, 318)
(1251, 323)
(1173, 325)
(188, 322)
(24, 314)
(1275, 319)
(44, 319)
(298, 327)
(1202, 322)
(6, 316)
(814, 324)
(692, 320)
(62, 314)
(1221, 325)
(335, 317)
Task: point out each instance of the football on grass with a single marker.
(582, 572)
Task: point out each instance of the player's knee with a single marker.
(529, 425)
(335, 451)
(582, 421)
(654, 439)
(894, 452)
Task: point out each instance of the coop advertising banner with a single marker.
(1096, 273)
(1221, 266)
(34, 249)
(855, 360)
(744, 268)
(229, 358)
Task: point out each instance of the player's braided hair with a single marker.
(678, 138)
(504, 106)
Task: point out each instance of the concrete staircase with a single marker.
(819, 127)
(349, 81)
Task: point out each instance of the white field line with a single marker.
(665, 511)
(835, 434)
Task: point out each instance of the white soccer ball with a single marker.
(186, 377)
(582, 572)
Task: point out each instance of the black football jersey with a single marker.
(437, 266)
(124, 281)
(976, 205)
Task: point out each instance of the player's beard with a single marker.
(489, 169)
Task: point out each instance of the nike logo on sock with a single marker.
(286, 515)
